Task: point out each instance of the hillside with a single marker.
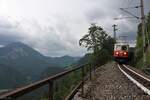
(51, 71)
(63, 61)
(84, 60)
(30, 62)
(23, 58)
(10, 78)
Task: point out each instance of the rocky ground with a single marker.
(110, 84)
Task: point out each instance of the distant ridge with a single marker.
(29, 62)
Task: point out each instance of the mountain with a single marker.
(85, 59)
(51, 71)
(23, 58)
(30, 62)
(10, 78)
(63, 61)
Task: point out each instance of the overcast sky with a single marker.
(54, 27)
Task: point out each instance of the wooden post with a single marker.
(94, 69)
(143, 31)
(51, 90)
(90, 72)
(83, 80)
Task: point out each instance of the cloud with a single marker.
(55, 27)
(9, 32)
(51, 40)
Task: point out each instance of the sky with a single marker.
(54, 27)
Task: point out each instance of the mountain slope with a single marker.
(23, 58)
(63, 61)
(84, 60)
(51, 71)
(29, 61)
(10, 78)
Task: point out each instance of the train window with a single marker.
(124, 47)
(118, 47)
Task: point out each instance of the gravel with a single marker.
(109, 83)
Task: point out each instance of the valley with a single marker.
(21, 65)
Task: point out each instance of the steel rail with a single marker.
(137, 73)
(132, 78)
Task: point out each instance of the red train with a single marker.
(121, 52)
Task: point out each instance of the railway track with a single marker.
(141, 81)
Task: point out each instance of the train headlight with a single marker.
(117, 53)
(125, 53)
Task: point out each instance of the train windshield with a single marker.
(124, 47)
(121, 47)
(118, 47)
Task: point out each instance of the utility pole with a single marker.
(142, 23)
(143, 31)
(114, 29)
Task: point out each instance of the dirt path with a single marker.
(110, 84)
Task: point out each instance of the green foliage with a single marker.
(139, 44)
(98, 41)
(139, 51)
(94, 39)
(148, 23)
(63, 86)
(139, 64)
(84, 60)
(108, 45)
(101, 57)
(148, 57)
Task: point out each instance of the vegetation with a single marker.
(63, 86)
(99, 43)
(139, 44)
(66, 84)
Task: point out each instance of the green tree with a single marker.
(94, 39)
(99, 42)
(148, 25)
(148, 22)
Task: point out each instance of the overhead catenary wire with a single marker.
(135, 7)
(129, 13)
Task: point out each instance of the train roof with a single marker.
(121, 44)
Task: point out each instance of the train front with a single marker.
(121, 53)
